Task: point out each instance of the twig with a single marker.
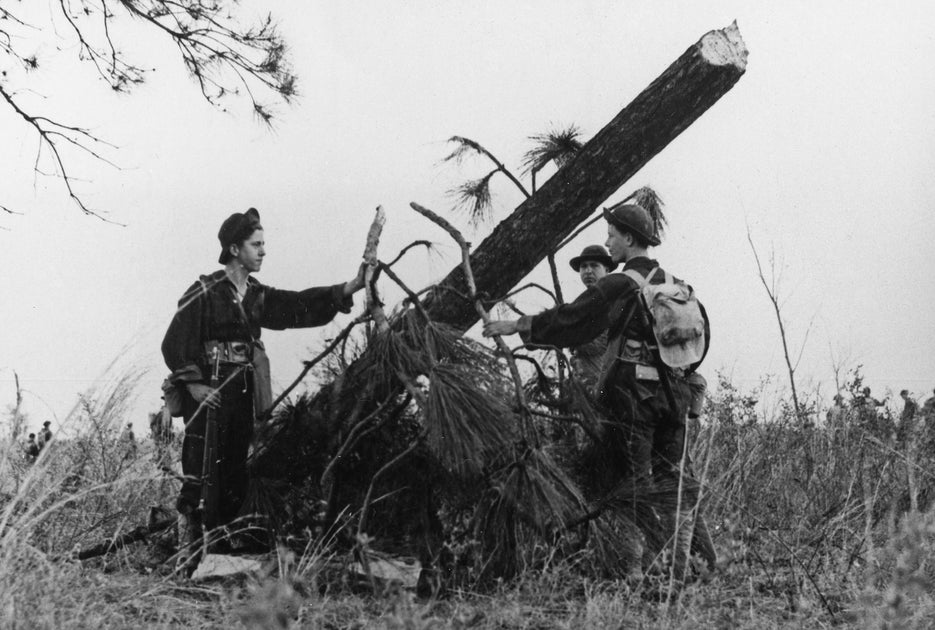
(490, 156)
(350, 440)
(568, 418)
(135, 535)
(529, 285)
(374, 306)
(771, 292)
(310, 364)
(402, 252)
(554, 271)
(472, 289)
(373, 481)
(413, 298)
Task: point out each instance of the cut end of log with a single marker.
(725, 47)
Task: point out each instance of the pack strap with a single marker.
(641, 280)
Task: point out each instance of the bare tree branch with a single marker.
(772, 292)
(223, 56)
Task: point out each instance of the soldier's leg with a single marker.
(670, 457)
(193, 446)
(638, 420)
(628, 439)
(670, 470)
(235, 428)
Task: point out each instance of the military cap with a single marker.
(235, 229)
(596, 253)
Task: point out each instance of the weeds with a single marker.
(813, 523)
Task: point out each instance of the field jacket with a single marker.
(210, 312)
(609, 305)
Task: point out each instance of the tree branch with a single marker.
(771, 292)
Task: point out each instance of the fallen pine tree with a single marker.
(423, 442)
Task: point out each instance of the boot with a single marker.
(189, 530)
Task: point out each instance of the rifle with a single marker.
(209, 467)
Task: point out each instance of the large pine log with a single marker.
(697, 79)
(296, 448)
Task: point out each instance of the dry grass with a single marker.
(812, 525)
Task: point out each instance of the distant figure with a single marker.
(129, 440)
(592, 264)
(160, 427)
(45, 435)
(835, 415)
(32, 449)
(927, 426)
(867, 400)
(869, 417)
(907, 418)
(928, 407)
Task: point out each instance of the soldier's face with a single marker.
(591, 271)
(251, 252)
(617, 243)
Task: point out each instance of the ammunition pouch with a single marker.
(238, 352)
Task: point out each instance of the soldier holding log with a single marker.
(645, 398)
(222, 315)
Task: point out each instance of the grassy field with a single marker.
(815, 526)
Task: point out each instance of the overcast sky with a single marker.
(825, 148)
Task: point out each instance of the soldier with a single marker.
(870, 418)
(835, 415)
(32, 449)
(128, 439)
(867, 399)
(648, 403)
(592, 264)
(222, 314)
(45, 434)
(928, 407)
(906, 418)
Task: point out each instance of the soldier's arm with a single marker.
(182, 345)
(570, 324)
(303, 309)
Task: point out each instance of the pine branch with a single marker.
(472, 288)
(555, 146)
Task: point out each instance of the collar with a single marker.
(220, 276)
(640, 261)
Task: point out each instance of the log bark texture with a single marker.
(687, 88)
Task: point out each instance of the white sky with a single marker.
(826, 148)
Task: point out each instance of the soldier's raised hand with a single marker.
(353, 286)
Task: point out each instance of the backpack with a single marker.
(171, 392)
(678, 323)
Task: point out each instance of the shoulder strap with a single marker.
(641, 280)
(637, 277)
(243, 313)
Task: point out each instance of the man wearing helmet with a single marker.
(646, 400)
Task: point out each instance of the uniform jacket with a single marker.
(209, 311)
(602, 307)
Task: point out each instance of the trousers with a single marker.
(647, 437)
(235, 430)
